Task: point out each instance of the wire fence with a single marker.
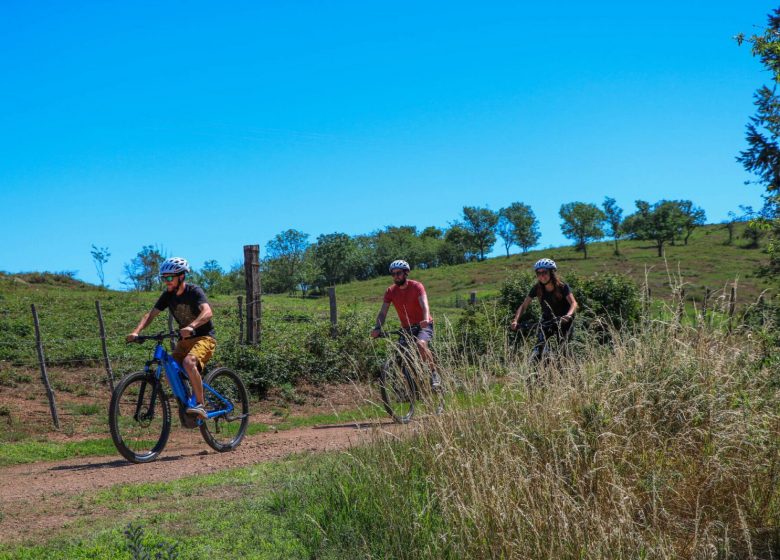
(67, 333)
(71, 332)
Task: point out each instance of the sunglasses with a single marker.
(167, 278)
(398, 273)
(542, 272)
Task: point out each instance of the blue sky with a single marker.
(201, 128)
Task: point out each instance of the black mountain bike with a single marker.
(552, 338)
(400, 375)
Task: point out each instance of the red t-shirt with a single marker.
(406, 302)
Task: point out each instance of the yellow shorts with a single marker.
(200, 347)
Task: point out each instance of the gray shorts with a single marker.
(421, 334)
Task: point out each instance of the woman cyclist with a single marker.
(558, 307)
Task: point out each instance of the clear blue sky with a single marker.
(202, 127)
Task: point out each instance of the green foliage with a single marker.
(100, 256)
(604, 299)
(518, 224)
(298, 354)
(141, 549)
(762, 157)
(284, 264)
(142, 272)
(480, 223)
(614, 220)
(661, 222)
(582, 224)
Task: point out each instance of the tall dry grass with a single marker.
(664, 443)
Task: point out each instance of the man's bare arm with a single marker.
(146, 320)
(423, 300)
(380, 319)
(203, 317)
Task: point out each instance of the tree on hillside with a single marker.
(523, 226)
(285, 254)
(692, 217)
(142, 272)
(337, 257)
(754, 227)
(459, 245)
(396, 242)
(506, 230)
(730, 225)
(481, 224)
(614, 220)
(582, 224)
(762, 157)
(210, 277)
(661, 223)
(100, 257)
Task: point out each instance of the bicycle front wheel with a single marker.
(139, 417)
(398, 391)
(225, 432)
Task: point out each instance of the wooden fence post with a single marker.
(106, 361)
(732, 304)
(44, 375)
(240, 319)
(253, 293)
(473, 298)
(333, 314)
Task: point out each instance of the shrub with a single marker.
(603, 298)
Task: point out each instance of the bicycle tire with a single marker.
(139, 440)
(399, 393)
(225, 433)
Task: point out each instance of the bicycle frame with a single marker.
(174, 372)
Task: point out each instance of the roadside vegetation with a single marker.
(663, 443)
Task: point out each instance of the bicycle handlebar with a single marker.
(159, 337)
(412, 329)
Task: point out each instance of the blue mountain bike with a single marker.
(140, 412)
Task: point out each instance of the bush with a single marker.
(311, 354)
(611, 299)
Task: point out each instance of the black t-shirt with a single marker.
(552, 306)
(186, 307)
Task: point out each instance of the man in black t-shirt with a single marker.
(558, 306)
(191, 309)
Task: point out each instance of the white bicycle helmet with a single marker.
(545, 264)
(174, 265)
(399, 264)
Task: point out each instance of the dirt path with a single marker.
(38, 497)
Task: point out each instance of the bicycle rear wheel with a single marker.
(139, 417)
(224, 433)
(398, 391)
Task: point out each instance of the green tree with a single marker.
(614, 220)
(661, 223)
(459, 246)
(337, 256)
(285, 253)
(481, 224)
(100, 257)
(582, 223)
(692, 217)
(211, 278)
(762, 157)
(518, 224)
(142, 272)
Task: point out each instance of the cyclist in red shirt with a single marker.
(411, 303)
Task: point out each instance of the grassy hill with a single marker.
(706, 262)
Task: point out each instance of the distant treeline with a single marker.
(295, 264)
